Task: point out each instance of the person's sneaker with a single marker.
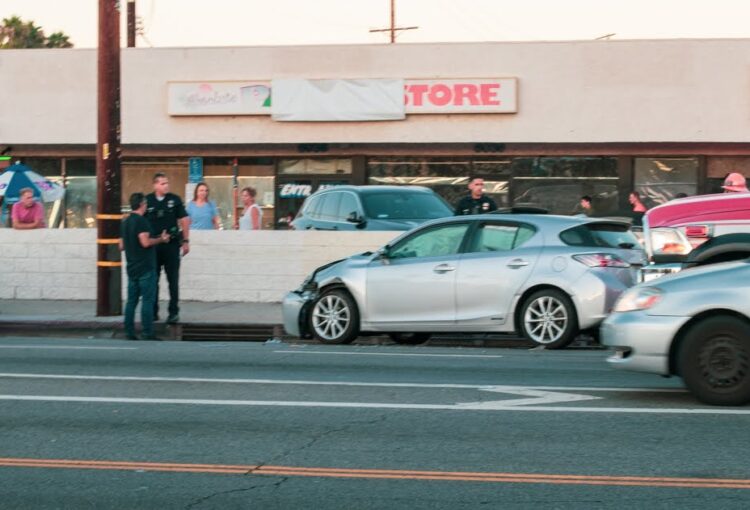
(133, 337)
(173, 318)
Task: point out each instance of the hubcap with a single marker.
(723, 363)
(545, 320)
(330, 317)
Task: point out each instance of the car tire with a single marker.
(714, 361)
(409, 338)
(334, 318)
(548, 318)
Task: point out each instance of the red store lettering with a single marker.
(457, 94)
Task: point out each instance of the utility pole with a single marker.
(108, 214)
(393, 29)
(131, 23)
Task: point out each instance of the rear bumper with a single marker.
(654, 271)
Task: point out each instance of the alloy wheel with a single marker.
(546, 319)
(331, 317)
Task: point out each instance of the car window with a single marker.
(405, 205)
(491, 237)
(434, 242)
(311, 207)
(347, 206)
(329, 207)
(600, 235)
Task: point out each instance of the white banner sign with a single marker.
(337, 100)
(447, 96)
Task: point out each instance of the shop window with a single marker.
(448, 177)
(718, 169)
(659, 180)
(315, 166)
(557, 184)
(80, 193)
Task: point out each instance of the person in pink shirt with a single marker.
(27, 213)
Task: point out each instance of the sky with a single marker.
(186, 23)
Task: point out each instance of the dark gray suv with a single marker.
(370, 208)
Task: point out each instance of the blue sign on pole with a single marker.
(195, 166)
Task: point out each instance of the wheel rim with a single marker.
(331, 316)
(546, 319)
(723, 363)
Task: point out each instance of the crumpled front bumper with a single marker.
(295, 310)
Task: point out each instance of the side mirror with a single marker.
(382, 253)
(354, 217)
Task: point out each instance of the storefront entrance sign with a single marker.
(296, 100)
(444, 96)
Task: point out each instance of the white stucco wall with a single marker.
(222, 265)
(586, 91)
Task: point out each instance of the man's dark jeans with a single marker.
(142, 287)
(168, 257)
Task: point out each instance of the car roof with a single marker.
(541, 220)
(375, 188)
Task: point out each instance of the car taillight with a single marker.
(669, 241)
(600, 260)
(698, 231)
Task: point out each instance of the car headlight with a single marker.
(638, 298)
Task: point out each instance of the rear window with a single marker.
(395, 205)
(600, 235)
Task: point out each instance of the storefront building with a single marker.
(542, 123)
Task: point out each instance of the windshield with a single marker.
(404, 205)
(601, 235)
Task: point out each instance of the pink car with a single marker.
(696, 231)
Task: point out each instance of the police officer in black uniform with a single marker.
(476, 202)
(165, 211)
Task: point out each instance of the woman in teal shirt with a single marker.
(203, 212)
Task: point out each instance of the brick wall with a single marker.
(222, 265)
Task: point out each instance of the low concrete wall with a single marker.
(221, 266)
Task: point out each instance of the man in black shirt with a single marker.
(476, 202)
(138, 245)
(165, 211)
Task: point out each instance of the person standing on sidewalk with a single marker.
(476, 202)
(138, 245)
(165, 211)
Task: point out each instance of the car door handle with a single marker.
(443, 268)
(517, 263)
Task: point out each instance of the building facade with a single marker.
(543, 123)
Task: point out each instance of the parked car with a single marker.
(694, 324)
(370, 208)
(548, 277)
(696, 231)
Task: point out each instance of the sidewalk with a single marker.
(210, 321)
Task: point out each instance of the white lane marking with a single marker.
(535, 397)
(360, 405)
(75, 347)
(355, 353)
(488, 387)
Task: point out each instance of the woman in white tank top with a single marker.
(252, 216)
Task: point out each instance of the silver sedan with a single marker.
(695, 324)
(547, 277)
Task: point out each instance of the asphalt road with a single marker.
(113, 424)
